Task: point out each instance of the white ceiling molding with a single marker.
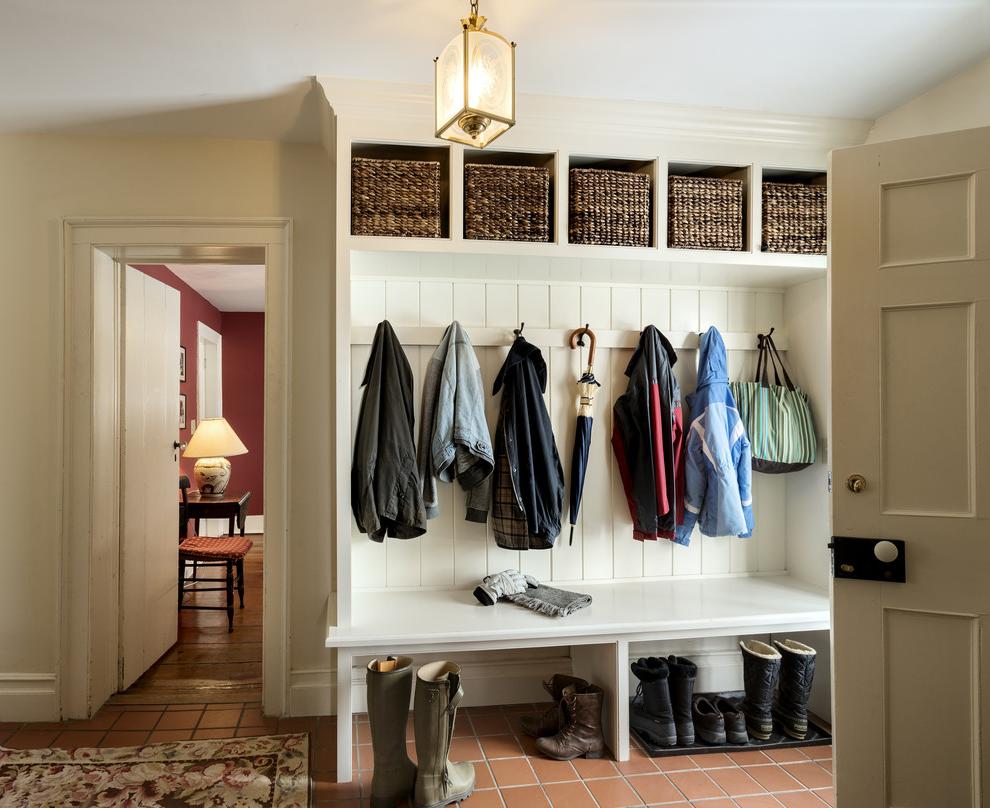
(359, 99)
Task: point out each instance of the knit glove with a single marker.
(501, 584)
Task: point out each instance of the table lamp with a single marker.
(213, 442)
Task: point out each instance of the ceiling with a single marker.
(243, 65)
(229, 287)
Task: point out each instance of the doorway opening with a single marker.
(204, 325)
(99, 255)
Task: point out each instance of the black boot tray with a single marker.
(817, 735)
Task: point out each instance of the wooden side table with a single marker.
(233, 507)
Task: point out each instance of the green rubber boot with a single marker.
(438, 781)
(389, 689)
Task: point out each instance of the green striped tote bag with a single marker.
(777, 416)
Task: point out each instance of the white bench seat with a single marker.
(452, 620)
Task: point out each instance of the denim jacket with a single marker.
(454, 441)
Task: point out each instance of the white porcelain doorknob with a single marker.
(885, 551)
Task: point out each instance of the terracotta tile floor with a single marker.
(509, 772)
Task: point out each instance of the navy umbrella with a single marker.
(582, 430)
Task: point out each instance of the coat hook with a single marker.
(577, 338)
(518, 331)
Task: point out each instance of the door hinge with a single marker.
(828, 482)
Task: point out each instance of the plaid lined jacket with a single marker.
(528, 481)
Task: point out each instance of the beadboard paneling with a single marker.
(455, 553)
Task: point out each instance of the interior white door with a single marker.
(150, 475)
(209, 372)
(910, 357)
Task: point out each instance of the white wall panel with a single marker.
(469, 303)
(626, 314)
(402, 302)
(436, 303)
(456, 553)
(713, 308)
(534, 305)
(684, 310)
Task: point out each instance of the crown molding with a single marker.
(374, 100)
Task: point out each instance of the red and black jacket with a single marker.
(647, 437)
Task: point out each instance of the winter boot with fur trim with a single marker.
(655, 716)
(683, 672)
(581, 735)
(797, 672)
(761, 666)
(389, 687)
(438, 781)
(551, 721)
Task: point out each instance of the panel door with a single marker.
(149, 475)
(910, 356)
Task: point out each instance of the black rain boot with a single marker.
(761, 666)
(797, 672)
(655, 717)
(683, 672)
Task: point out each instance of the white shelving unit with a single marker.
(415, 596)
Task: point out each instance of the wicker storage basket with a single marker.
(506, 203)
(395, 198)
(609, 207)
(705, 213)
(794, 218)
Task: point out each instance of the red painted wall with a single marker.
(243, 379)
(244, 399)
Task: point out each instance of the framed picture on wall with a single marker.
(182, 410)
(182, 363)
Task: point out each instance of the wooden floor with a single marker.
(207, 664)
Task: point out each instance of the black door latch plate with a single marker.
(856, 558)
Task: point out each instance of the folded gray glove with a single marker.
(502, 584)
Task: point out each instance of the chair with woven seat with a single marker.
(224, 551)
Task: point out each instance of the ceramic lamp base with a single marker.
(212, 475)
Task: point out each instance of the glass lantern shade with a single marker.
(475, 87)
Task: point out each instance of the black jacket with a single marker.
(528, 486)
(647, 437)
(386, 495)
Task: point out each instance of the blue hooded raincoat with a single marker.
(718, 462)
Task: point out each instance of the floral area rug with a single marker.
(265, 772)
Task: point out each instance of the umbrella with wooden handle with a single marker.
(587, 385)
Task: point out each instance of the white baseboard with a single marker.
(254, 523)
(311, 692)
(28, 697)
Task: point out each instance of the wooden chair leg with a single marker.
(240, 580)
(230, 597)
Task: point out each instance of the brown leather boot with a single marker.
(581, 735)
(550, 722)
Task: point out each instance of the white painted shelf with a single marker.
(696, 267)
(642, 610)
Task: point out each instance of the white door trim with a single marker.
(93, 251)
(206, 334)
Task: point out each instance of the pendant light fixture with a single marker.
(475, 84)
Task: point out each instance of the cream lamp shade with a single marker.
(213, 442)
